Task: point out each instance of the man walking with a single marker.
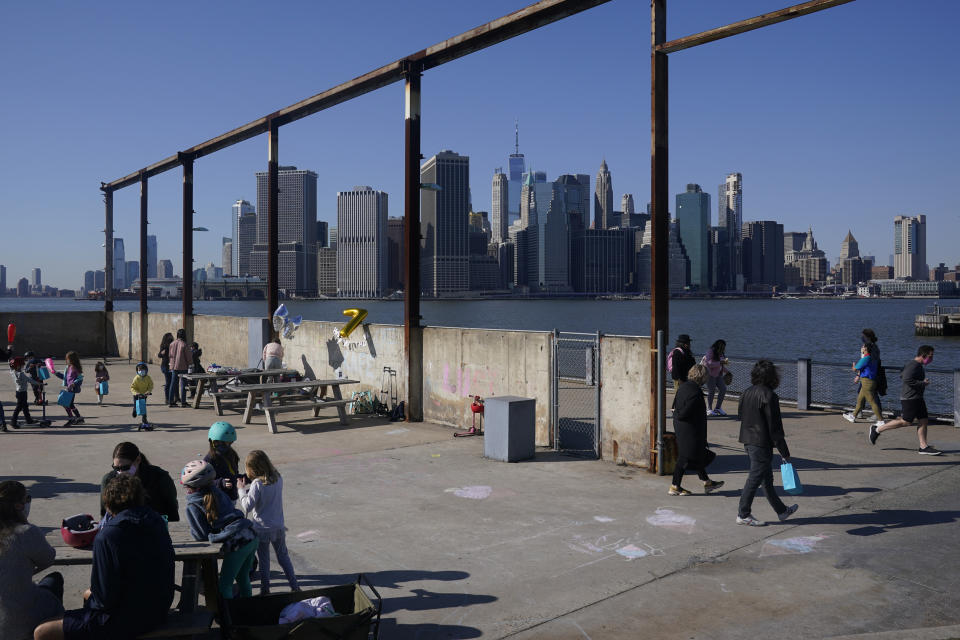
(912, 405)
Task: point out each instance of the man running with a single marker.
(912, 405)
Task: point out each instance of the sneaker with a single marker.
(68, 423)
(849, 417)
(750, 521)
(78, 421)
(929, 451)
(146, 427)
(880, 423)
(711, 412)
(719, 412)
(712, 485)
(789, 512)
(678, 491)
(133, 412)
(873, 434)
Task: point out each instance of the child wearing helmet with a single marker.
(213, 517)
(223, 458)
(22, 381)
(141, 387)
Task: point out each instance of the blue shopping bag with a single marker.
(43, 372)
(141, 406)
(791, 481)
(104, 387)
(65, 399)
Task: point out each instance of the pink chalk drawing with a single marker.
(668, 519)
(477, 492)
(791, 546)
(470, 380)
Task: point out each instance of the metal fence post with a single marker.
(956, 397)
(555, 390)
(661, 393)
(804, 384)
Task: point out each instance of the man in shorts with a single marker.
(131, 584)
(912, 405)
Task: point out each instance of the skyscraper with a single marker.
(35, 281)
(89, 281)
(395, 254)
(626, 205)
(444, 224)
(730, 217)
(362, 243)
(3, 280)
(296, 229)
(693, 221)
(517, 166)
(132, 272)
(164, 269)
(500, 207)
(603, 198)
(98, 277)
(763, 254)
(849, 247)
(243, 222)
(910, 247)
(226, 256)
(323, 233)
(151, 256)
(119, 264)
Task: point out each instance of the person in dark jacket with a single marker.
(130, 590)
(180, 359)
(761, 429)
(681, 359)
(160, 493)
(690, 426)
(913, 406)
(164, 355)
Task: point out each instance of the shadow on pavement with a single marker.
(390, 629)
(50, 486)
(883, 520)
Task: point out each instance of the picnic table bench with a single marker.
(292, 396)
(213, 380)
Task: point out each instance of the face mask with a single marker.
(927, 360)
(132, 470)
(141, 373)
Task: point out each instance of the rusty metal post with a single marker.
(412, 331)
(143, 266)
(273, 206)
(187, 161)
(108, 253)
(659, 277)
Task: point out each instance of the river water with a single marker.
(821, 329)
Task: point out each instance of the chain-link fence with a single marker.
(576, 393)
(832, 385)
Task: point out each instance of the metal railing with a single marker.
(831, 386)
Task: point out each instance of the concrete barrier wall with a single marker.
(461, 363)
(53, 333)
(625, 400)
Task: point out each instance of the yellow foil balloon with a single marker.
(357, 317)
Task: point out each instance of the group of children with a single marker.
(26, 373)
(213, 485)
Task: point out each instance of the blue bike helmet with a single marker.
(222, 431)
(142, 365)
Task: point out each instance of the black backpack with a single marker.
(398, 412)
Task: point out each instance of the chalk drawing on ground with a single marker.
(791, 546)
(629, 547)
(308, 536)
(477, 492)
(602, 519)
(394, 432)
(669, 519)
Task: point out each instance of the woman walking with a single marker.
(690, 426)
(761, 429)
(716, 361)
(164, 355)
(867, 368)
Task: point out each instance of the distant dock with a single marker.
(938, 321)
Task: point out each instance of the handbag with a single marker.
(65, 399)
(791, 481)
(43, 372)
(104, 387)
(727, 377)
(141, 406)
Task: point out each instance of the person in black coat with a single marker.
(681, 359)
(160, 494)
(690, 426)
(761, 429)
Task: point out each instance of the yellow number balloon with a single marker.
(357, 316)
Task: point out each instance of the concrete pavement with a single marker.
(559, 547)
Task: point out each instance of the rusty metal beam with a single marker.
(412, 331)
(273, 227)
(509, 26)
(749, 24)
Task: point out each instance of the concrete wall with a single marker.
(625, 399)
(53, 333)
(222, 338)
(461, 363)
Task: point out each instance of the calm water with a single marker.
(825, 330)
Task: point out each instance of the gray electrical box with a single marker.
(509, 429)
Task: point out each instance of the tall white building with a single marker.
(626, 205)
(361, 243)
(603, 199)
(500, 207)
(730, 217)
(244, 235)
(910, 247)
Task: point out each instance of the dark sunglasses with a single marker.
(122, 467)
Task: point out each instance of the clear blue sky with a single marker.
(838, 120)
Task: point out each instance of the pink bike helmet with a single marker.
(197, 474)
(79, 531)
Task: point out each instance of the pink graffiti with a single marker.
(470, 380)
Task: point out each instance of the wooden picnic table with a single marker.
(203, 379)
(199, 566)
(287, 393)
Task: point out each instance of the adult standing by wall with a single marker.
(164, 355)
(273, 354)
(761, 429)
(23, 552)
(690, 426)
(180, 359)
(681, 359)
(160, 493)
(912, 403)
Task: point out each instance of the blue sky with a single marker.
(842, 119)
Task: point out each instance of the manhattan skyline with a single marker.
(806, 111)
